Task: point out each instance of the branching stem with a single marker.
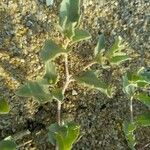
(65, 86)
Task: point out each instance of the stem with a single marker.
(67, 75)
(131, 109)
(64, 89)
(89, 65)
(59, 112)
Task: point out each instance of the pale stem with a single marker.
(64, 89)
(89, 65)
(131, 109)
(59, 112)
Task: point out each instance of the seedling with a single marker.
(135, 85)
(65, 134)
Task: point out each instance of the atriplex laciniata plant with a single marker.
(135, 85)
(64, 134)
(7, 143)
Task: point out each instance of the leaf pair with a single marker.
(135, 80)
(89, 79)
(69, 19)
(69, 16)
(64, 136)
(114, 55)
(8, 144)
(129, 128)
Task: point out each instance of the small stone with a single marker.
(74, 93)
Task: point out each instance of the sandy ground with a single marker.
(25, 25)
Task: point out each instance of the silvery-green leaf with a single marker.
(145, 74)
(57, 94)
(50, 72)
(34, 89)
(80, 35)
(128, 88)
(69, 30)
(8, 144)
(129, 129)
(144, 98)
(117, 47)
(143, 120)
(49, 2)
(64, 136)
(4, 106)
(118, 59)
(69, 12)
(51, 50)
(100, 45)
(88, 78)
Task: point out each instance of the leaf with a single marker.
(143, 120)
(100, 45)
(89, 79)
(128, 88)
(49, 2)
(118, 59)
(69, 12)
(8, 144)
(80, 35)
(51, 50)
(129, 129)
(145, 74)
(50, 72)
(34, 89)
(144, 98)
(115, 55)
(57, 94)
(4, 107)
(64, 136)
(69, 16)
(116, 47)
(54, 128)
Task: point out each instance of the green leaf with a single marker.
(69, 16)
(51, 50)
(88, 78)
(117, 47)
(69, 12)
(64, 136)
(115, 55)
(145, 74)
(53, 129)
(4, 106)
(143, 120)
(144, 98)
(34, 89)
(118, 59)
(57, 94)
(128, 88)
(8, 144)
(129, 129)
(100, 45)
(50, 72)
(80, 35)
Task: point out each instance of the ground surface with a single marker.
(25, 25)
